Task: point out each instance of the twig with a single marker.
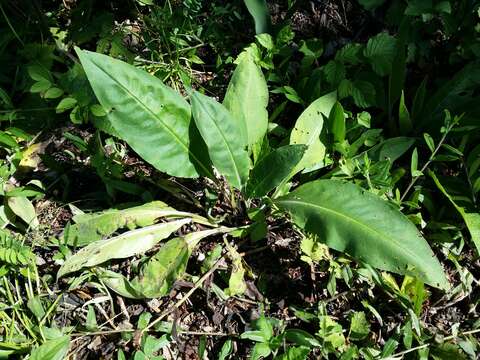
(432, 156)
(185, 298)
(447, 338)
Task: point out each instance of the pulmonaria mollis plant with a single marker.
(191, 138)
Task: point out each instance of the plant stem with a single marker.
(430, 159)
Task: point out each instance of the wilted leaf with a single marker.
(131, 243)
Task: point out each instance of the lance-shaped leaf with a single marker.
(223, 136)
(92, 227)
(471, 219)
(247, 100)
(151, 117)
(271, 170)
(307, 130)
(350, 219)
(131, 243)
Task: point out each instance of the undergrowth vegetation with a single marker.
(289, 180)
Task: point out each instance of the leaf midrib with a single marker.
(170, 131)
(339, 214)
(237, 174)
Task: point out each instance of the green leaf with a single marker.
(40, 86)
(236, 283)
(131, 243)
(247, 100)
(55, 349)
(160, 272)
(307, 130)
(359, 326)
(351, 53)
(472, 220)
(260, 351)
(259, 11)
(53, 93)
(24, 209)
(65, 104)
(301, 337)
(350, 219)
(272, 169)
(404, 121)
(294, 353)
(222, 134)
(39, 73)
(371, 4)
(337, 123)
(419, 99)
(429, 141)
(334, 72)
(380, 51)
(152, 118)
(414, 164)
(226, 350)
(92, 227)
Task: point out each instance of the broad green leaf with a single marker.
(307, 130)
(359, 326)
(472, 220)
(350, 219)
(24, 209)
(259, 11)
(336, 122)
(39, 73)
(65, 104)
(131, 243)
(40, 86)
(152, 118)
(260, 351)
(91, 227)
(53, 93)
(247, 100)
(380, 51)
(404, 121)
(272, 169)
(223, 136)
(55, 349)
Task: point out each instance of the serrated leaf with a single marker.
(334, 72)
(363, 93)
(380, 51)
(307, 130)
(351, 54)
(152, 118)
(350, 219)
(272, 169)
(223, 136)
(247, 99)
(131, 243)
